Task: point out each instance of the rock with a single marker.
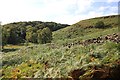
(76, 73)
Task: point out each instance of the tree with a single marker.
(5, 37)
(44, 35)
(31, 36)
(34, 38)
(14, 37)
(100, 24)
(39, 36)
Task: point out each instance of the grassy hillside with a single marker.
(86, 27)
(80, 51)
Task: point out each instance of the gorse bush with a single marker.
(100, 24)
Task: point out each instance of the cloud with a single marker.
(62, 11)
(15, 10)
(109, 1)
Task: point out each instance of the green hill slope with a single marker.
(87, 27)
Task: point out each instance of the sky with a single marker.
(60, 11)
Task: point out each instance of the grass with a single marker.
(52, 60)
(79, 29)
(60, 61)
(94, 33)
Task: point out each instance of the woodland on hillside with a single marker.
(24, 32)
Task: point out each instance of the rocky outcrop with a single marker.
(115, 37)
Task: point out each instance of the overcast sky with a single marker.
(61, 11)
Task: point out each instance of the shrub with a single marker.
(100, 24)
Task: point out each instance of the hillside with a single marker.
(39, 24)
(80, 51)
(86, 27)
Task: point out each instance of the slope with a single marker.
(53, 60)
(86, 27)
